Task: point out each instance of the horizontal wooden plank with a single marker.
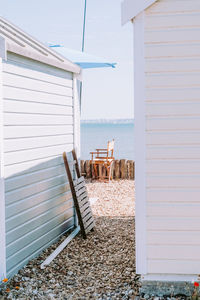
(81, 191)
(36, 119)
(35, 85)
(173, 123)
(173, 109)
(15, 170)
(173, 195)
(31, 236)
(177, 80)
(173, 209)
(159, 65)
(181, 50)
(47, 197)
(173, 181)
(35, 245)
(12, 145)
(34, 74)
(173, 238)
(172, 35)
(36, 131)
(33, 177)
(173, 152)
(181, 252)
(34, 223)
(88, 221)
(84, 206)
(34, 188)
(173, 266)
(12, 93)
(172, 94)
(173, 224)
(36, 211)
(173, 138)
(173, 167)
(91, 226)
(34, 154)
(173, 20)
(173, 6)
(17, 106)
(86, 212)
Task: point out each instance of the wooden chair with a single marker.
(103, 157)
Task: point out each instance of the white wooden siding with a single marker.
(172, 80)
(38, 127)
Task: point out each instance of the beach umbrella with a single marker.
(84, 60)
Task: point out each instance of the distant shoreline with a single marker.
(108, 121)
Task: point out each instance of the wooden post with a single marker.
(87, 169)
(83, 168)
(116, 166)
(132, 169)
(122, 168)
(128, 171)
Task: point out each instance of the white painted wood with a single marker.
(36, 153)
(183, 20)
(26, 83)
(173, 6)
(173, 123)
(13, 93)
(174, 266)
(172, 35)
(12, 145)
(36, 119)
(172, 94)
(188, 209)
(173, 224)
(10, 68)
(169, 65)
(60, 248)
(190, 167)
(167, 238)
(175, 252)
(187, 80)
(170, 277)
(140, 179)
(2, 187)
(173, 181)
(77, 112)
(130, 9)
(173, 152)
(36, 108)
(173, 195)
(173, 138)
(23, 131)
(173, 50)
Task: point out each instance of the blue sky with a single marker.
(107, 93)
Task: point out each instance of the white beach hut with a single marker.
(167, 136)
(39, 119)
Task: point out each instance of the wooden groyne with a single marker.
(122, 169)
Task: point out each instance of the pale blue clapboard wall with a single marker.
(38, 127)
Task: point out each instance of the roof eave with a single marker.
(131, 8)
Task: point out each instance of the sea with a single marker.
(96, 135)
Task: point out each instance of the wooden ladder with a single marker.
(80, 196)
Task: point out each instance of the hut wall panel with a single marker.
(38, 126)
(172, 99)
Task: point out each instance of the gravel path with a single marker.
(101, 267)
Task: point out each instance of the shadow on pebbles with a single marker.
(101, 267)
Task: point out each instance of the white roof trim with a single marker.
(15, 40)
(131, 8)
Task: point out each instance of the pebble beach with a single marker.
(101, 267)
